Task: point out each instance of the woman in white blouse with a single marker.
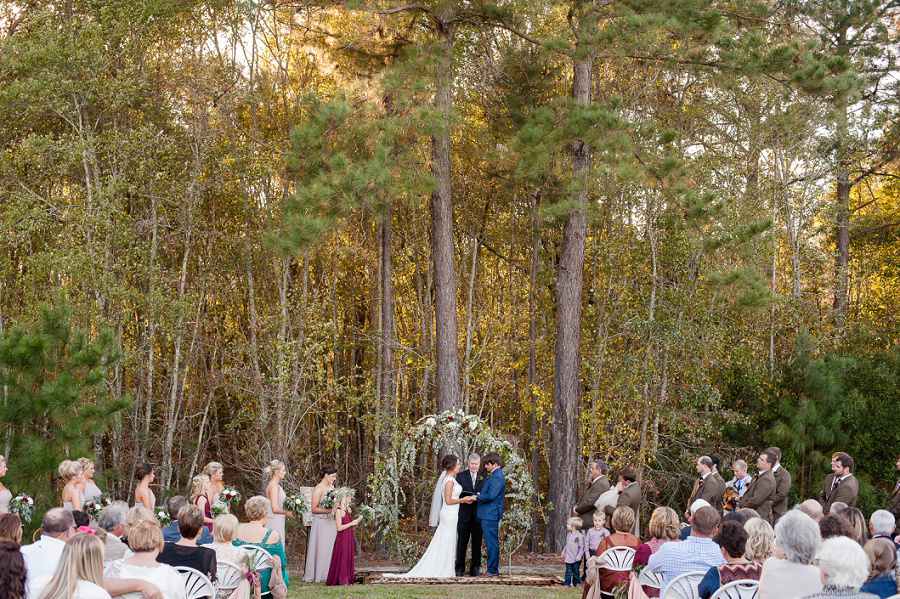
(146, 540)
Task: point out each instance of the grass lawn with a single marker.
(415, 591)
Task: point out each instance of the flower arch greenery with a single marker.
(396, 479)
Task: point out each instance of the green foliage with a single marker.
(56, 397)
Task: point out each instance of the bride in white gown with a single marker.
(439, 558)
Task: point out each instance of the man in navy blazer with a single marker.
(490, 511)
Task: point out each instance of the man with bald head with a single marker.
(42, 556)
(813, 509)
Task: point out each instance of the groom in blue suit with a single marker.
(490, 511)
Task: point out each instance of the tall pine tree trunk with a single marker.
(564, 431)
(387, 384)
(443, 255)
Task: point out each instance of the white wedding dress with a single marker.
(439, 558)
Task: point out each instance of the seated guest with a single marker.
(145, 540)
(42, 557)
(858, 523)
(732, 541)
(813, 509)
(12, 571)
(686, 531)
(760, 540)
(255, 533)
(622, 524)
(186, 553)
(844, 568)
(79, 574)
(135, 515)
(837, 507)
(747, 512)
(882, 524)
(663, 528)
(696, 553)
(81, 518)
(834, 525)
(10, 528)
(170, 532)
(224, 532)
(882, 554)
(797, 538)
(112, 520)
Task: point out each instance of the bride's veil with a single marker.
(437, 500)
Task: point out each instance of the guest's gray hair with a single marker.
(798, 536)
(844, 563)
(811, 508)
(110, 517)
(473, 456)
(882, 522)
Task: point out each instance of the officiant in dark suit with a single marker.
(468, 526)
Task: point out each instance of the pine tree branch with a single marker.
(870, 171)
(403, 8)
(521, 34)
(875, 228)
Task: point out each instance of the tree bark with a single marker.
(564, 430)
(443, 254)
(387, 384)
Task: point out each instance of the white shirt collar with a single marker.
(705, 476)
(51, 540)
(776, 467)
(598, 478)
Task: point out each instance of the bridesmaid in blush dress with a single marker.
(322, 533)
(87, 486)
(143, 496)
(71, 473)
(342, 570)
(276, 472)
(5, 494)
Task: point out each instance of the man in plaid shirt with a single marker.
(697, 553)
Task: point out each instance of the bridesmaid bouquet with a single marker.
(162, 514)
(229, 495)
(218, 508)
(92, 507)
(327, 501)
(295, 503)
(367, 513)
(23, 505)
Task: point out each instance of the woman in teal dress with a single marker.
(254, 532)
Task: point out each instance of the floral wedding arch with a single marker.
(408, 470)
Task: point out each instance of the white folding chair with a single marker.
(649, 578)
(196, 584)
(739, 589)
(619, 559)
(259, 557)
(228, 575)
(683, 587)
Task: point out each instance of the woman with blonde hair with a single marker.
(224, 532)
(5, 494)
(663, 528)
(87, 486)
(255, 532)
(200, 497)
(72, 474)
(216, 473)
(760, 540)
(146, 541)
(135, 515)
(143, 495)
(79, 574)
(276, 472)
(622, 523)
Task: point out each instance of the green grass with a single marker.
(416, 591)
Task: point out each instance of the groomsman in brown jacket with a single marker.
(828, 483)
(761, 491)
(894, 503)
(782, 487)
(720, 482)
(630, 494)
(844, 486)
(707, 487)
(585, 509)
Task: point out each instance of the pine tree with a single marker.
(56, 397)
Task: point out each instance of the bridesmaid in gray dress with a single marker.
(276, 472)
(143, 496)
(323, 531)
(5, 494)
(72, 474)
(88, 488)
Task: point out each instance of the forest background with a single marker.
(635, 230)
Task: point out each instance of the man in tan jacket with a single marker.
(761, 492)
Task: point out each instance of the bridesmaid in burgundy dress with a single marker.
(342, 570)
(200, 497)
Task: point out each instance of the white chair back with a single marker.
(739, 589)
(228, 575)
(196, 584)
(683, 587)
(649, 578)
(619, 559)
(259, 557)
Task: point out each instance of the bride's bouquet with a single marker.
(23, 505)
(295, 503)
(229, 496)
(162, 514)
(92, 507)
(218, 508)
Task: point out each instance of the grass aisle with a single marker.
(417, 591)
